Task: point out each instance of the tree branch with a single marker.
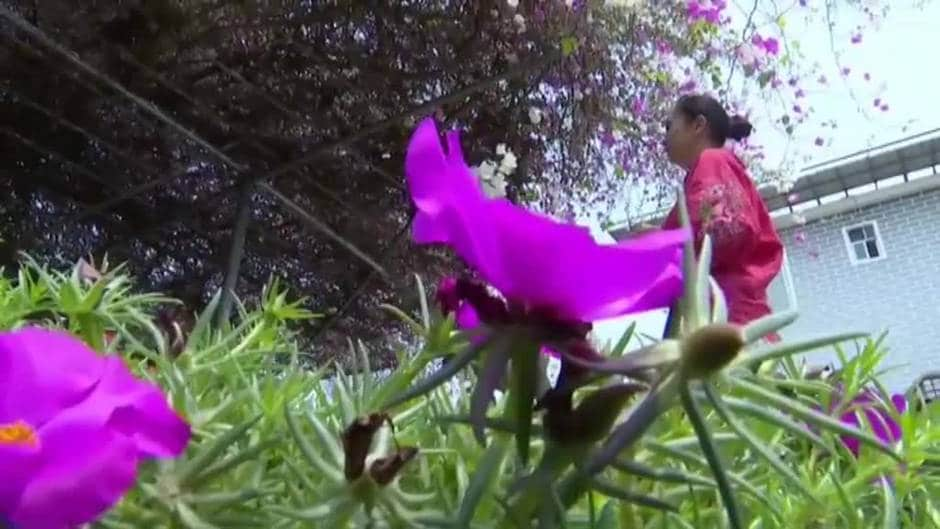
(236, 251)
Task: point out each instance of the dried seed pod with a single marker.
(385, 469)
(357, 440)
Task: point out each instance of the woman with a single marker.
(724, 203)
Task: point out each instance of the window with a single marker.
(782, 292)
(863, 242)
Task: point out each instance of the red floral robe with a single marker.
(746, 250)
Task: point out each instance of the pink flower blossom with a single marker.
(73, 427)
(698, 10)
(542, 268)
(885, 428)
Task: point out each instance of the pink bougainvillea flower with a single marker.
(882, 424)
(770, 45)
(73, 427)
(539, 265)
(708, 11)
(688, 86)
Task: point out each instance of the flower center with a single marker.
(18, 433)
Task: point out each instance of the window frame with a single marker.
(850, 246)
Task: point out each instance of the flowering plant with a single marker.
(274, 443)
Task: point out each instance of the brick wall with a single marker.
(900, 293)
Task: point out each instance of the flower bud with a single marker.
(709, 349)
(592, 419)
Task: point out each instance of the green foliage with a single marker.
(277, 445)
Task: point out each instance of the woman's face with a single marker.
(684, 137)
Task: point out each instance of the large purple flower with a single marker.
(73, 427)
(539, 265)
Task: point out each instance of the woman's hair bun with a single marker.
(739, 128)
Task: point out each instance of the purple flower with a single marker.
(73, 426)
(883, 426)
(542, 268)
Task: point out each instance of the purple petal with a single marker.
(561, 267)
(531, 258)
(52, 372)
(140, 411)
(882, 424)
(17, 464)
(43, 371)
(851, 419)
(467, 317)
(85, 470)
(900, 403)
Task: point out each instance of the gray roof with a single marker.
(894, 159)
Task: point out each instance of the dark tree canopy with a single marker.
(153, 131)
